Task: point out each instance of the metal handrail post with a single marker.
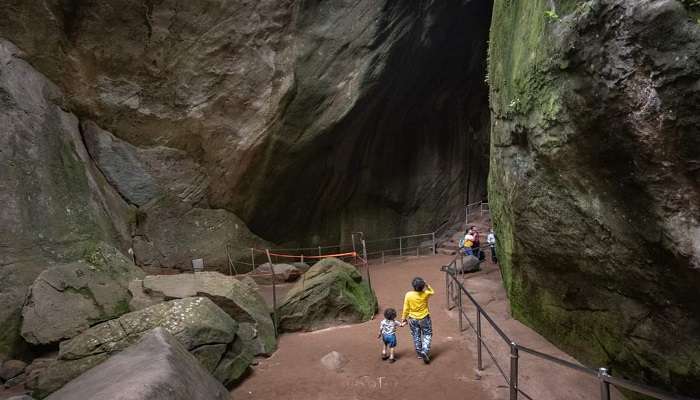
(319, 251)
(366, 261)
(479, 362)
(434, 245)
(604, 385)
(447, 286)
(252, 256)
(460, 311)
(513, 384)
(274, 292)
(400, 245)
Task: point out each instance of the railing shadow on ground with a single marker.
(455, 293)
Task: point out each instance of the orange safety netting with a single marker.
(350, 254)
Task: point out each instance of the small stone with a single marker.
(334, 361)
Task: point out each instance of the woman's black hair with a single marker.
(418, 284)
(390, 314)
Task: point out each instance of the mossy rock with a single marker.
(330, 293)
(67, 299)
(196, 322)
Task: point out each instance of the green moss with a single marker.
(122, 307)
(362, 297)
(11, 342)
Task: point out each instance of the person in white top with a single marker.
(491, 239)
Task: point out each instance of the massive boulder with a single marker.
(197, 323)
(55, 203)
(306, 119)
(331, 292)
(67, 299)
(239, 300)
(595, 185)
(158, 367)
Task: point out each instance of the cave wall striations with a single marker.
(308, 120)
(595, 179)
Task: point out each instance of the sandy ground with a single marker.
(295, 371)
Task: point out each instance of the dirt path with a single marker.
(295, 371)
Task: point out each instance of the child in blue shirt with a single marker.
(387, 332)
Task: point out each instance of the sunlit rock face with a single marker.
(595, 179)
(306, 119)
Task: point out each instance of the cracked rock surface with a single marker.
(67, 299)
(196, 322)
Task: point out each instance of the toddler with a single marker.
(387, 332)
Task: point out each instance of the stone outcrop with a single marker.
(55, 204)
(277, 105)
(197, 323)
(331, 292)
(158, 367)
(174, 224)
(67, 299)
(594, 180)
(239, 300)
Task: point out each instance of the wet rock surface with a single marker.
(156, 367)
(330, 293)
(594, 181)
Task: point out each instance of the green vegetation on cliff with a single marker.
(584, 161)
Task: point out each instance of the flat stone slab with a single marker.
(156, 368)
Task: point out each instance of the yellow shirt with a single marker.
(415, 304)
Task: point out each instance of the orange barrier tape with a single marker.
(351, 254)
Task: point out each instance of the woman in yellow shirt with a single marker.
(415, 309)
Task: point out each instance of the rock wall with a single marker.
(308, 120)
(56, 206)
(595, 181)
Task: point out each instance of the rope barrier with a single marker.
(350, 254)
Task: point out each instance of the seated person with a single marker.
(467, 245)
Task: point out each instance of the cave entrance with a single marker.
(412, 150)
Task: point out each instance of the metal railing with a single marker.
(402, 246)
(480, 206)
(455, 291)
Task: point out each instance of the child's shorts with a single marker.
(390, 340)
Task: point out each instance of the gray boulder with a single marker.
(239, 300)
(11, 369)
(197, 323)
(283, 273)
(67, 299)
(158, 367)
(331, 292)
(171, 233)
